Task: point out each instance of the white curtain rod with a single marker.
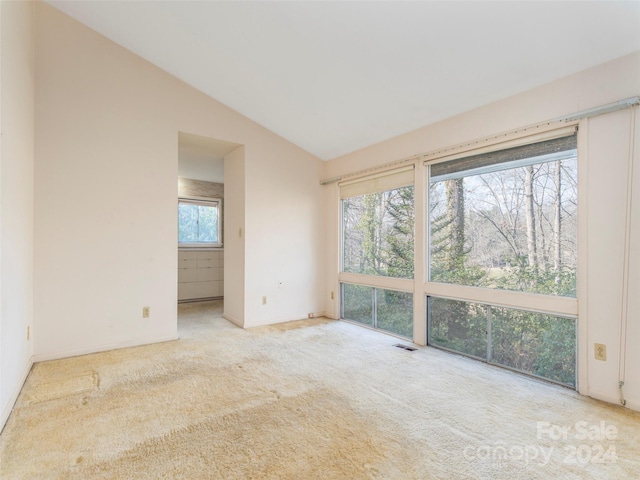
(608, 108)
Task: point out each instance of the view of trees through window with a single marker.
(542, 345)
(378, 236)
(378, 233)
(198, 222)
(504, 220)
(508, 228)
(387, 310)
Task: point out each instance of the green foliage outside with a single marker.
(514, 229)
(393, 313)
(358, 303)
(379, 240)
(378, 233)
(542, 345)
(459, 326)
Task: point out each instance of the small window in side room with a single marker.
(199, 222)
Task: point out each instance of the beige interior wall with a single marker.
(632, 288)
(105, 194)
(284, 237)
(605, 255)
(611, 303)
(234, 236)
(604, 148)
(16, 198)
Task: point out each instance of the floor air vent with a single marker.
(405, 347)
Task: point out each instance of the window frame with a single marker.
(387, 180)
(205, 202)
(560, 306)
(534, 302)
(421, 285)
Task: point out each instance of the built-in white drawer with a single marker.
(205, 289)
(208, 262)
(187, 275)
(200, 274)
(186, 291)
(206, 274)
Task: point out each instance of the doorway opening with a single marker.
(201, 217)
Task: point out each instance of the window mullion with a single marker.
(489, 336)
(374, 309)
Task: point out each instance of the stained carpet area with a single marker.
(315, 399)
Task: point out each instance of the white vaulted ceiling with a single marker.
(333, 77)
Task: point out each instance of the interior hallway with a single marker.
(309, 399)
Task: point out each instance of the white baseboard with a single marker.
(605, 397)
(233, 320)
(43, 357)
(286, 320)
(6, 411)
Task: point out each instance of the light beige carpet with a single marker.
(306, 400)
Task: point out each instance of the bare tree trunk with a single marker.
(557, 252)
(379, 229)
(530, 216)
(455, 212)
(458, 314)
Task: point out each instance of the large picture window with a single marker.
(378, 228)
(199, 223)
(494, 251)
(507, 219)
(378, 241)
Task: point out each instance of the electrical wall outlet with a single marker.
(145, 312)
(600, 351)
(264, 300)
(331, 295)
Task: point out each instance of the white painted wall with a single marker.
(632, 360)
(201, 167)
(604, 149)
(284, 231)
(16, 198)
(234, 236)
(105, 192)
(607, 177)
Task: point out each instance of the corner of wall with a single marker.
(17, 100)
